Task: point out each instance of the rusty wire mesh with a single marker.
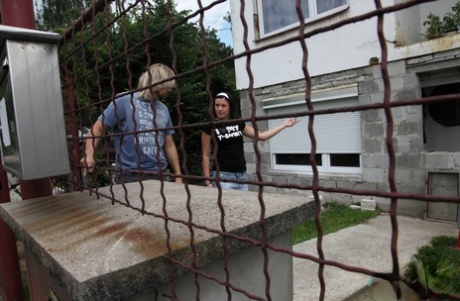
(86, 97)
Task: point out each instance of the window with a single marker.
(338, 136)
(276, 15)
(296, 159)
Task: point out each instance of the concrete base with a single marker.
(83, 247)
(246, 270)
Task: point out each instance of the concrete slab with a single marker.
(95, 250)
(365, 246)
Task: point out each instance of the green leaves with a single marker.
(437, 26)
(436, 267)
(58, 14)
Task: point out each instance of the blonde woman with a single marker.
(141, 151)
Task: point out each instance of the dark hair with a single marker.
(233, 114)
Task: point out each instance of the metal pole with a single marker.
(10, 272)
(20, 14)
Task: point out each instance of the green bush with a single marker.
(436, 267)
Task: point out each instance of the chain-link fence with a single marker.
(382, 105)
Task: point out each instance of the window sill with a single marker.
(322, 175)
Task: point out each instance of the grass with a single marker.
(334, 218)
(435, 268)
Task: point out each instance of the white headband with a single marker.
(223, 94)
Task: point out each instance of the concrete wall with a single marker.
(341, 57)
(246, 270)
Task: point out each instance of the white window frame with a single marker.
(347, 92)
(312, 18)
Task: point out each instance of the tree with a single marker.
(58, 14)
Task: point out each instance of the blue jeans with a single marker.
(231, 176)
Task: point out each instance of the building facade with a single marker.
(344, 68)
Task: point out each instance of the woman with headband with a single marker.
(229, 145)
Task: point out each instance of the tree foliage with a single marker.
(58, 14)
(150, 33)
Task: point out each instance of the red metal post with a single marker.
(21, 14)
(10, 272)
(18, 13)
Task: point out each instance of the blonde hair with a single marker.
(158, 73)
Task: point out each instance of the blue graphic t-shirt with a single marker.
(140, 147)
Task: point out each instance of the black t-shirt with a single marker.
(230, 148)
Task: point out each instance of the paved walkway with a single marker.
(367, 246)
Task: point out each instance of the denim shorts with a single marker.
(231, 176)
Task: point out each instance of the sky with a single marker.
(213, 17)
